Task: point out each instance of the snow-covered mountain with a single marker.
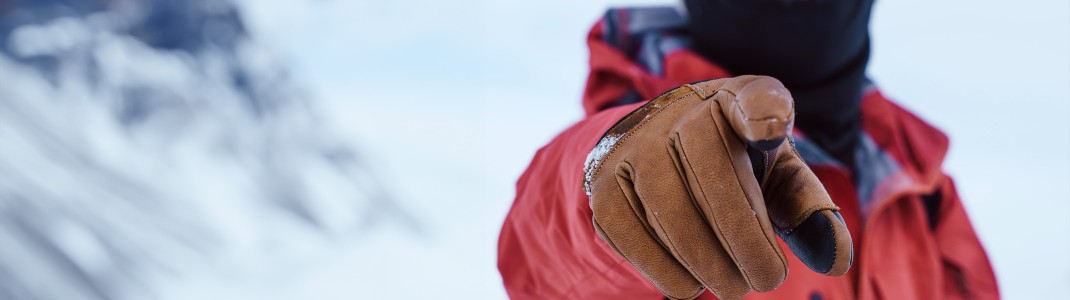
(147, 146)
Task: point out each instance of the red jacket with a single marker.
(912, 237)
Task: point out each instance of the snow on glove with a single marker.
(691, 187)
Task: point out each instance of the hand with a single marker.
(691, 187)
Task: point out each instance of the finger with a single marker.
(805, 216)
(761, 112)
(717, 169)
(681, 228)
(619, 218)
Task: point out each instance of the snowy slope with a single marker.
(150, 150)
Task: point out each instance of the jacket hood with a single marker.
(639, 53)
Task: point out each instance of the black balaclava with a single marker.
(817, 48)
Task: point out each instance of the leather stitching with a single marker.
(772, 246)
(681, 259)
(668, 239)
(637, 205)
(802, 217)
(835, 245)
(725, 243)
(774, 118)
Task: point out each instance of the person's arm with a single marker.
(548, 248)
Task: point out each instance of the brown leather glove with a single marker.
(691, 187)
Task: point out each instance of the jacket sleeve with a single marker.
(548, 248)
(967, 271)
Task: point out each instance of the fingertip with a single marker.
(844, 245)
(761, 110)
(771, 277)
